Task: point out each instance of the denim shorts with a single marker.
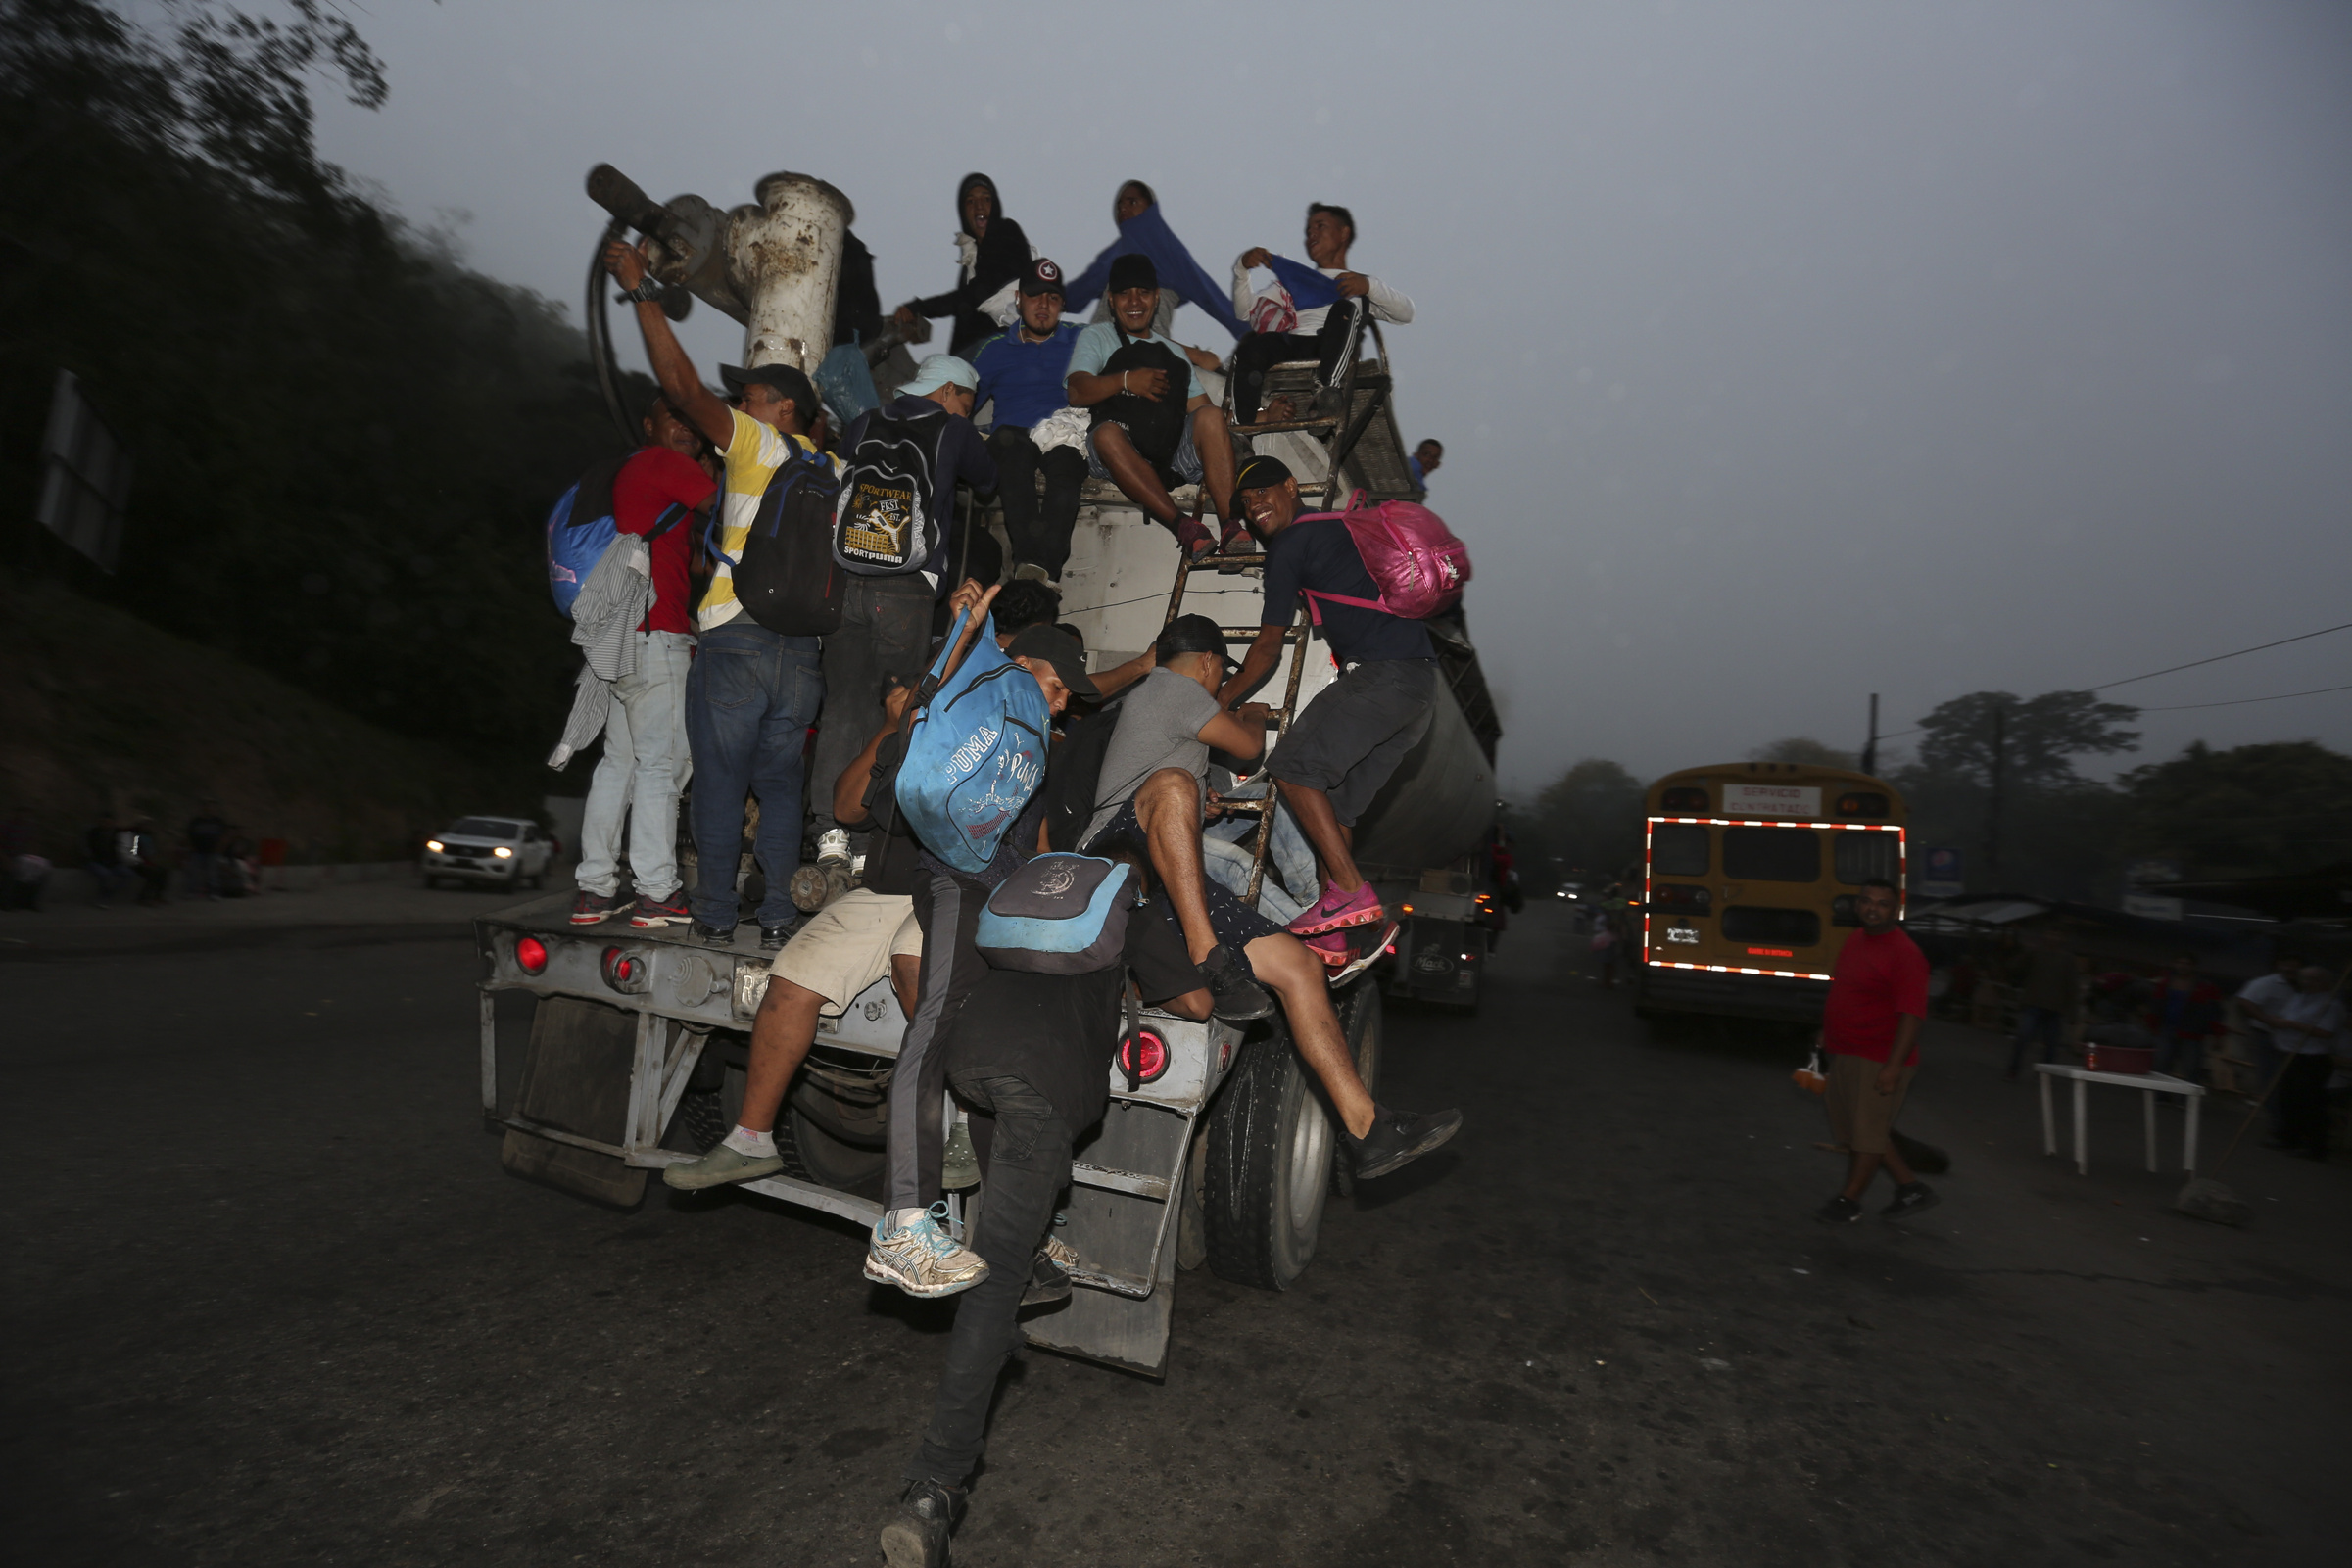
(1182, 469)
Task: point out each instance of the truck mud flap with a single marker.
(575, 1079)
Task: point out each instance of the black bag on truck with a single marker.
(787, 578)
(1155, 428)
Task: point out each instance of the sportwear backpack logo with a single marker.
(1415, 560)
(787, 578)
(975, 752)
(883, 525)
(1058, 914)
(581, 527)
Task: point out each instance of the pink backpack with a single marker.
(1414, 558)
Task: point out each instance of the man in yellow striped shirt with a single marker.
(752, 693)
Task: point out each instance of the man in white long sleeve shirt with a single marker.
(1320, 333)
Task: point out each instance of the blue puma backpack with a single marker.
(974, 753)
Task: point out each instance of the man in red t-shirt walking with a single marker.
(645, 761)
(1870, 1031)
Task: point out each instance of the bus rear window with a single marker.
(1783, 927)
(1863, 856)
(1771, 854)
(1679, 849)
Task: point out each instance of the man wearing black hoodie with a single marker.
(994, 252)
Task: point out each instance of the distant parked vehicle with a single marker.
(505, 851)
(1573, 892)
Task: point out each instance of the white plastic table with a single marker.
(2151, 1084)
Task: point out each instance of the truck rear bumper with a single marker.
(1658, 989)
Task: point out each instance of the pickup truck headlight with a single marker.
(504, 853)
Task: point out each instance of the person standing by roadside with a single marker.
(1870, 1033)
(2182, 1010)
(752, 693)
(205, 833)
(2258, 1000)
(2305, 1030)
(102, 856)
(655, 496)
(2049, 989)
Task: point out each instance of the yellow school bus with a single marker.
(1748, 875)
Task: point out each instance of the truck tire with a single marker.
(1270, 1168)
(1361, 1015)
(814, 1155)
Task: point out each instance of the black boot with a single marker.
(916, 1535)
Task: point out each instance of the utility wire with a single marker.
(2183, 707)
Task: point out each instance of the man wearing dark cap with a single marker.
(1023, 370)
(1149, 436)
(1149, 795)
(751, 693)
(1343, 747)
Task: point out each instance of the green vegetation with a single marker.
(345, 440)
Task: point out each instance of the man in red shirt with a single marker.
(1870, 1031)
(657, 492)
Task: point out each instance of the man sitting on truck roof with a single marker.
(1022, 372)
(1034, 1052)
(1348, 742)
(1139, 442)
(1319, 332)
(1149, 795)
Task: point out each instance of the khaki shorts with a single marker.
(848, 944)
(1859, 1117)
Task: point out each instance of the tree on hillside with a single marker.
(345, 441)
(1591, 816)
(2270, 810)
(1804, 752)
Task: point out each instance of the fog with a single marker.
(1783, 353)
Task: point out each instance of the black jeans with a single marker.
(1260, 352)
(1027, 1171)
(1041, 535)
(2303, 1102)
(947, 911)
(886, 630)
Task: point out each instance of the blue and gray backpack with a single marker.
(974, 753)
(1059, 914)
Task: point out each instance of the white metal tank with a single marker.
(784, 257)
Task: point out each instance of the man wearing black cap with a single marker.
(752, 693)
(1338, 753)
(1022, 370)
(1147, 437)
(1153, 784)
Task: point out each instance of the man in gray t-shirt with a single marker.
(1159, 727)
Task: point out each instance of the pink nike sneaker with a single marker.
(1336, 909)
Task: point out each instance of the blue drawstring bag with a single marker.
(974, 753)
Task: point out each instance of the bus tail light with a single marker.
(1681, 898)
(1685, 798)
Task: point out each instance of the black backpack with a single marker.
(787, 578)
(882, 524)
(1074, 774)
(1156, 429)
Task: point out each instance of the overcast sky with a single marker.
(1782, 352)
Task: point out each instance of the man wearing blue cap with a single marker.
(920, 443)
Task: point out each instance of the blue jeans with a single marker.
(638, 777)
(2036, 1021)
(749, 701)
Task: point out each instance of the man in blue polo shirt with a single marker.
(1022, 368)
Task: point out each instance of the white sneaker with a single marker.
(834, 844)
(922, 1259)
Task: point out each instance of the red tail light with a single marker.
(625, 971)
(532, 954)
(1143, 1056)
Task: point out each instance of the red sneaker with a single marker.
(593, 909)
(1336, 909)
(648, 913)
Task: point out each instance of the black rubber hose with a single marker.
(599, 337)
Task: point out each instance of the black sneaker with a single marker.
(1397, 1138)
(916, 1535)
(1839, 1211)
(593, 909)
(774, 936)
(1234, 993)
(712, 936)
(1046, 1282)
(1909, 1199)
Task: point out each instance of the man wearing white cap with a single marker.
(901, 464)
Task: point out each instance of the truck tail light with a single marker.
(1143, 1056)
(532, 954)
(625, 971)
